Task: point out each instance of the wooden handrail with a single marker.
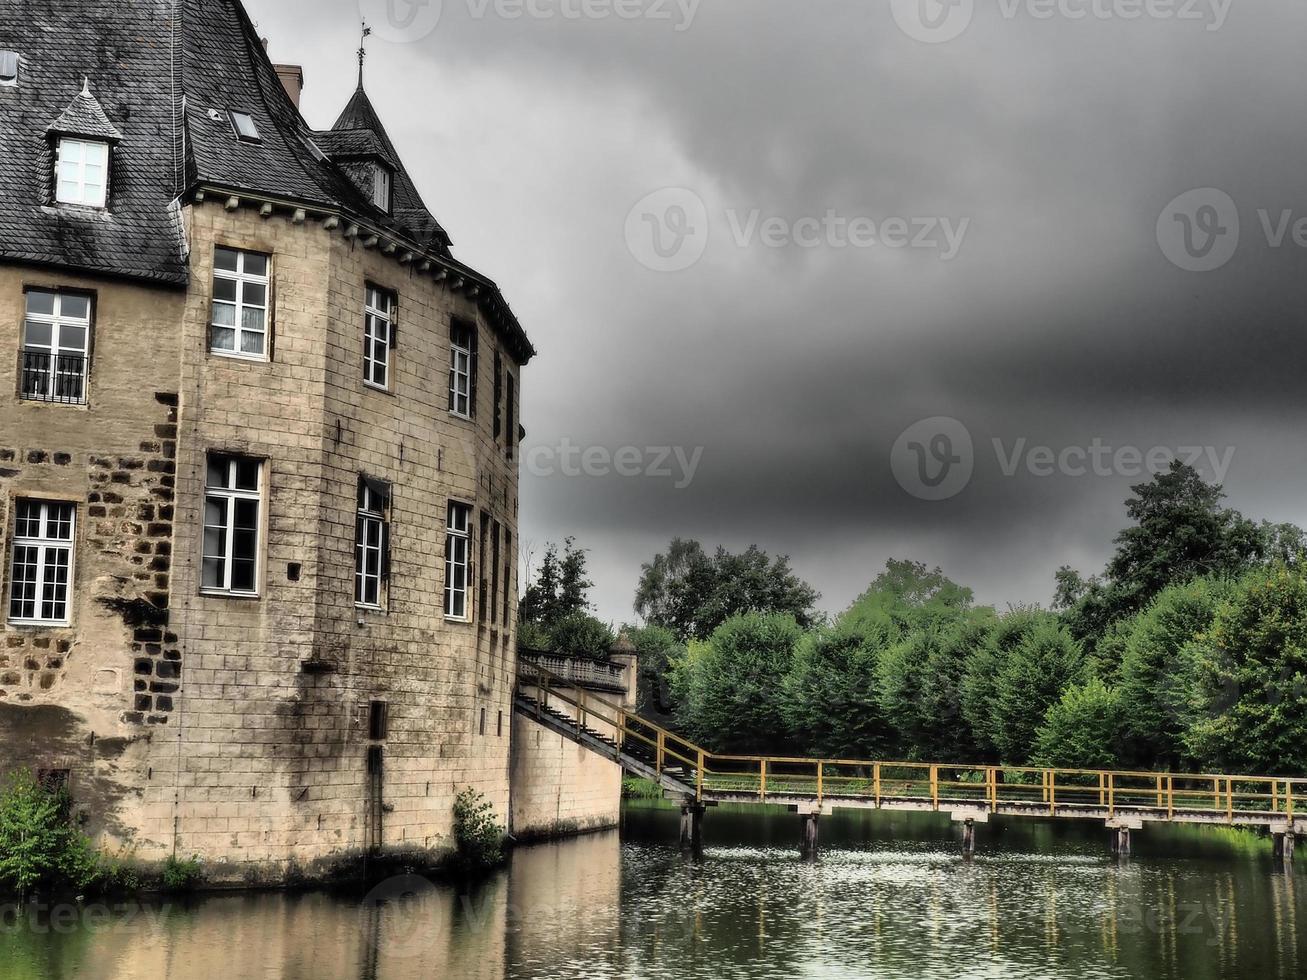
(947, 785)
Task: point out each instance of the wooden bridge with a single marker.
(971, 795)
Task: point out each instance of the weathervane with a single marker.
(363, 50)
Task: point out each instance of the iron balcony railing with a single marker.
(579, 670)
(47, 377)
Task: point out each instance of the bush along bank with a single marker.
(43, 852)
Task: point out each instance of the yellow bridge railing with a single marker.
(746, 778)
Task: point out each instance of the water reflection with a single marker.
(891, 896)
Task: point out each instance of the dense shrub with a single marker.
(1250, 678)
(39, 847)
(583, 635)
(1083, 730)
(479, 838)
(730, 688)
(1154, 678)
(1044, 663)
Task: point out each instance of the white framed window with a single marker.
(458, 534)
(381, 182)
(371, 542)
(378, 336)
(462, 368)
(9, 68)
(42, 570)
(243, 124)
(82, 173)
(233, 495)
(238, 324)
(56, 345)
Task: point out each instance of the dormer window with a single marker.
(9, 68)
(81, 174)
(381, 182)
(243, 124)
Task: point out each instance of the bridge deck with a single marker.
(690, 773)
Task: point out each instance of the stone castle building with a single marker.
(258, 455)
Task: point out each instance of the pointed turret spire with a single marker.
(363, 50)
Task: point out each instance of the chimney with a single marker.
(292, 80)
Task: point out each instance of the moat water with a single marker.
(890, 897)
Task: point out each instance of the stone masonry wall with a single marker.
(272, 770)
(560, 787)
(90, 698)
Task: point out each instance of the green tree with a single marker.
(554, 613)
(1082, 730)
(1154, 676)
(574, 584)
(1179, 531)
(539, 605)
(909, 595)
(832, 706)
(902, 677)
(729, 687)
(1045, 661)
(979, 685)
(582, 635)
(1251, 678)
(38, 844)
(690, 593)
(943, 730)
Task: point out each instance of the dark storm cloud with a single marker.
(1059, 322)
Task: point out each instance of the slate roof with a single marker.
(122, 50)
(167, 91)
(85, 117)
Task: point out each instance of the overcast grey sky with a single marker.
(1033, 292)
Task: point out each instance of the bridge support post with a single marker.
(1283, 845)
(1120, 829)
(810, 842)
(969, 839)
(692, 828)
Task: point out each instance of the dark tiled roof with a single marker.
(85, 117)
(346, 143)
(169, 94)
(123, 50)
